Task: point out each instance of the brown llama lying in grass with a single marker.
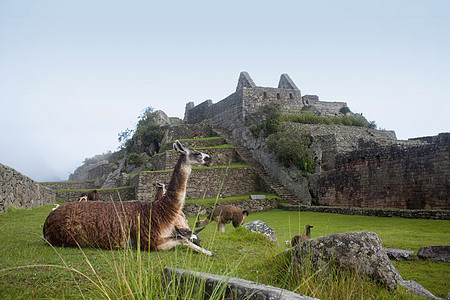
(90, 195)
(225, 214)
(302, 237)
(149, 225)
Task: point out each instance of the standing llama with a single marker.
(89, 195)
(148, 225)
(302, 237)
(225, 214)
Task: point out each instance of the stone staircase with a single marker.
(247, 156)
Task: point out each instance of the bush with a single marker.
(309, 117)
(292, 149)
(147, 132)
(134, 159)
(344, 110)
(266, 120)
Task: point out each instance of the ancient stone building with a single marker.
(230, 112)
(355, 167)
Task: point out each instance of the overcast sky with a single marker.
(73, 74)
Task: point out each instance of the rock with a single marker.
(236, 288)
(399, 254)
(360, 251)
(436, 253)
(257, 197)
(161, 119)
(261, 227)
(417, 289)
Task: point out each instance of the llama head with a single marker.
(160, 186)
(189, 235)
(193, 157)
(83, 198)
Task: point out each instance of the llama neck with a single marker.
(308, 232)
(176, 190)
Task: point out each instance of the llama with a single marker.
(148, 225)
(302, 237)
(89, 195)
(225, 214)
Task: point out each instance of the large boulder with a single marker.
(262, 227)
(360, 251)
(436, 253)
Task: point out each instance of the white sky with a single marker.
(73, 74)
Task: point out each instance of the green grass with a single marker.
(309, 117)
(233, 165)
(231, 199)
(30, 268)
(108, 189)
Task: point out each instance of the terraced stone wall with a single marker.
(21, 191)
(203, 182)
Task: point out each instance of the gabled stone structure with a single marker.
(230, 112)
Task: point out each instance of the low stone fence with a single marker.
(70, 185)
(374, 212)
(203, 182)
(251, 205)
(220, 157)
(21, 191)
(115, 194)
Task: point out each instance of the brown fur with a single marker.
(110, 225)
(302, 237)
(180, 222)
(225, 214)
(90, 195)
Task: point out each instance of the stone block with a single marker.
(235, 288)
(399, 254)
(436, 253)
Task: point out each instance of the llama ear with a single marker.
(179, 148)
(198, 230)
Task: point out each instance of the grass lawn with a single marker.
(29, 268)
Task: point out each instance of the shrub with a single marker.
(292, 149)
(134, 159)
(309, 117)
(266, 120)
(344, 110)
(147, 132)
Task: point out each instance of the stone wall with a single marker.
(187, 131)
(346, 138)
(19, 190)
(395, 176)
(374, 212)
(70, 185)
(253, 99)
(228, 113)
(192, 209)
(115, 194)
(203, 182)
(220, 157)
(198, 113)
